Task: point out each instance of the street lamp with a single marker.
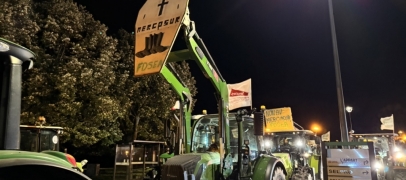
(340, 95)
(316, 129)
(349, 110)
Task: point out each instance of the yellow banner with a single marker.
(279, 119)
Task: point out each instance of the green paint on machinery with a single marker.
(242, 153)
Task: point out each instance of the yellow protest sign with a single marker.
(279, 119)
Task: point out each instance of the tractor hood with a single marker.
(12, 154)
(33, 165)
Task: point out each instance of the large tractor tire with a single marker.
(303, 173)
(305, 176)
(278, 174)
(399, 174)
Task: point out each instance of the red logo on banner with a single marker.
(238, 93)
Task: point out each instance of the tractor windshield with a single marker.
(381, 144)
(205, 132)
(286, 142)
(37, 140)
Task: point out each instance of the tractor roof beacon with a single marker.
(16, 164)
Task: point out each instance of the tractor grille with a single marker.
(173, 169)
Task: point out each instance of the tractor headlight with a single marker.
(377, 165)
(267, 143)
(299, 143)
(398, 155)
(306, 155)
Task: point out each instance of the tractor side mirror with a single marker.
(259, 123)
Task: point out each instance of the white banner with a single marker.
(387, 123)
(325, 137)
(239, 95)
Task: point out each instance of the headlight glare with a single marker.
(377, 165)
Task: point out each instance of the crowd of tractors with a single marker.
(228, 145)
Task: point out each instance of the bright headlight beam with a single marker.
(398, 155)
(299, 143)
(377, 165)
(267, 143)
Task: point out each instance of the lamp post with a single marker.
(349, 110)
(340, 95)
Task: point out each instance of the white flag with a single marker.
(387, 123)
(239, 95)
(325, 137)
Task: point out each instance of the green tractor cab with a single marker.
(293, 154)
(40, 138)
(298, 150)
(45, 139)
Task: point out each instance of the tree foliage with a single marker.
(73, 74)
(16, 22)
(83, 79)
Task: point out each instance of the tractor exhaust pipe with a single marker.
(12, 57)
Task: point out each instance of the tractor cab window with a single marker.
(29, 140)
(381, 144)
(205, 132)
(37, 140)
(286, 142)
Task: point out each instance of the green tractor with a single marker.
(389, 153)
(291, 155)
(299, 152)
(221, 146)
(15, 163)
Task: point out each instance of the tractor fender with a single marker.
(264, 167)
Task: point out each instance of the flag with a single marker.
(239, 95)
(387, 123)
(325, 137)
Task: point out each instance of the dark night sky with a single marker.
(285, 47)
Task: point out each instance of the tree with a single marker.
(16, 22)
(83, 79)
(70, 84)
(150, 97)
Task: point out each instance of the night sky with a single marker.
(285, 47)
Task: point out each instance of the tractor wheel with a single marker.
(278, 174)
(303, 173)
(399, 175)
(302, 176)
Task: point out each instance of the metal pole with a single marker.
(350, 121)
(340, 96)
